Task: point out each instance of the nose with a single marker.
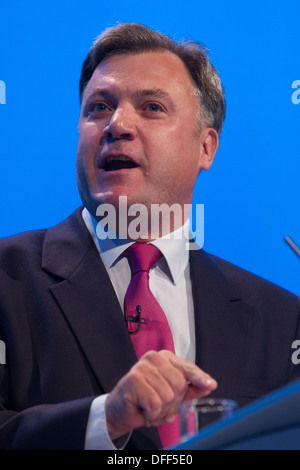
(121, 125)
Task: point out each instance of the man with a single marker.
(151, 115)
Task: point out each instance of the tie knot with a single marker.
(143, 256)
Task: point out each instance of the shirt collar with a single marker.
(172, 246)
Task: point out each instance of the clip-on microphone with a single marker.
(135, 319)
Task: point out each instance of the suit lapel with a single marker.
(88, 302)
(87, 299)
(221, 322)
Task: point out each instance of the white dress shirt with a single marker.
(170, 283)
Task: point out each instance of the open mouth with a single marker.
(120, 162)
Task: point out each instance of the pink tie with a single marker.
(146, 320)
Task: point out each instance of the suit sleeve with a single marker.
(46, 427)
(25, 421)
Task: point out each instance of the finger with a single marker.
(132, 403)
(186, 380)
(167, 373)
(156, 406)
(194, 375)
(166, 378)
(150, 391)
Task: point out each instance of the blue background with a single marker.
(251, 193)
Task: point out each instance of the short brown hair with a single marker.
(135, 38)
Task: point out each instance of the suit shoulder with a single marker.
(252, 284)
(26, 252)
(20, 249)
(24, 240)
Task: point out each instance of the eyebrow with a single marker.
(140, 93)
(99, 92)
(155, 92)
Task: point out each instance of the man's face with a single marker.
(138, 132)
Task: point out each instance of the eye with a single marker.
(99, 107)
(153, 107)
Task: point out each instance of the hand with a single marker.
(151, 392)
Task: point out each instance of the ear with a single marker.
(209, 143)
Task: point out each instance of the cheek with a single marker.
(88, 147)
(175, 152)
(89, 138)
(164, 143)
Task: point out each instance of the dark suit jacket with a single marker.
(66, 339)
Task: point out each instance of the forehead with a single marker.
(160, 69)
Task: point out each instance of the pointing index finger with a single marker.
(193, 374)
